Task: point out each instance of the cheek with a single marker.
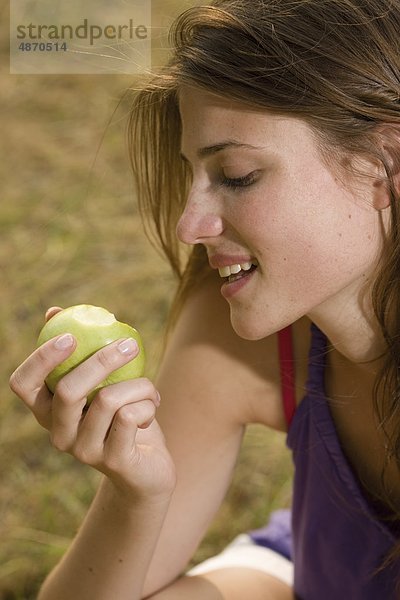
(315, 233)
(325, 254)
(312, 242)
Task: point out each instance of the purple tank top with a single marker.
(338, 541)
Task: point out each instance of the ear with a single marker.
(388, 136)
(381, 194)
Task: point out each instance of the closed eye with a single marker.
(239, 182)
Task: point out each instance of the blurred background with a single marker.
(69, 234)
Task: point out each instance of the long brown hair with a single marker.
(333, 63)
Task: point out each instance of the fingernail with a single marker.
(128, 346)
(158, 398)
(64, 342)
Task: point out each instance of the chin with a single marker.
(248, 331)
(253, 328)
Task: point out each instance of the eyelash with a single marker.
(240, 182)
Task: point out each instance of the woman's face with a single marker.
(314, 239)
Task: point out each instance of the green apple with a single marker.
(93, 327)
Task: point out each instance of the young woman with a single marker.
(270, 144)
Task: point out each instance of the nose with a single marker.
(200, 221)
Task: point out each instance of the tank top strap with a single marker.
(286, 362)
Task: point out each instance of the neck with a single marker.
(353, 332)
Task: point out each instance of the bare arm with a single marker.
(212, 384)
(138, 536)
(110, 556)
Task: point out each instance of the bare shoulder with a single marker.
(244, 374)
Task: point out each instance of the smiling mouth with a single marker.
(235, 272)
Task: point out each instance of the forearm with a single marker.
(111, 553)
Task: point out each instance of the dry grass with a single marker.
(70, 233)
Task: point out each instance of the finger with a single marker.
(41, 407)
(50, 312)
(72, 390)
(27, 381)
(95, 426)
(121, 439)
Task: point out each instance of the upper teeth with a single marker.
(234, 269)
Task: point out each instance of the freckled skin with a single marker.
(295, 219)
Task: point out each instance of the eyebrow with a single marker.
(210, 150)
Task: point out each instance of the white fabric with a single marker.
(243, 552)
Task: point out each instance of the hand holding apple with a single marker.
(93, 327)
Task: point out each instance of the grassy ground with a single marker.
(70, 233)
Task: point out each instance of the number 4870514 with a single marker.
(42, 47)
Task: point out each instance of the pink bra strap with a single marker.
(285, 344)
